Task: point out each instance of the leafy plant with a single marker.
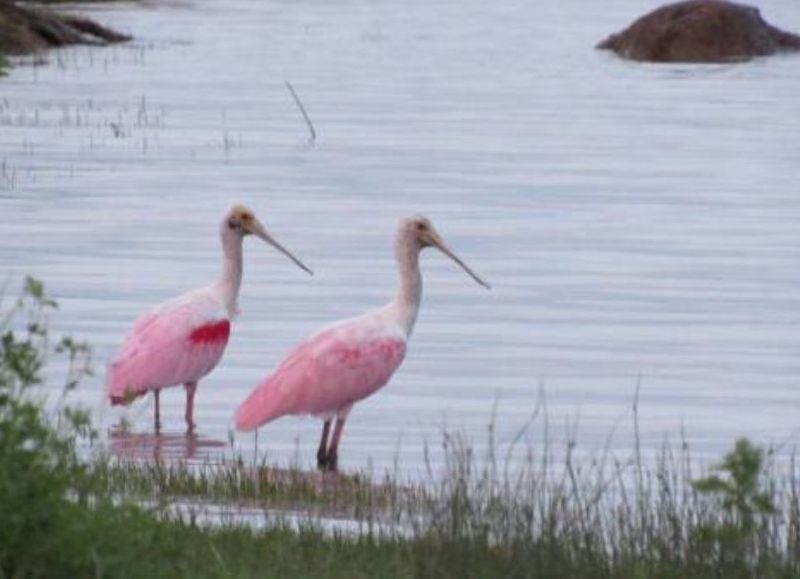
(740, 490)
(41, 475)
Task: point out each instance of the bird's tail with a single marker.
(248, 415)
(260, 407)
(118, 388)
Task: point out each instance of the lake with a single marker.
(640, 224)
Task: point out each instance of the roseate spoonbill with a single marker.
(181, 340)
(350, 359)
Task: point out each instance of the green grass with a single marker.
(552, 517)
(238, 482)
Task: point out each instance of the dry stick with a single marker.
(303, 111)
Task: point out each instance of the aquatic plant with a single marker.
(556, 514)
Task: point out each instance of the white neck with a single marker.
(230, 278)
(409, 293)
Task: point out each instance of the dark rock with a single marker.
(700, 31)
(26, 30)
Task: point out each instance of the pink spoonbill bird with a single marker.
(181, 340)
(348, 360)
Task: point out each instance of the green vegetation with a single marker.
(742, 495)
(235, 482)
(63, 517)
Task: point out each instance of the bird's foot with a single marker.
(327, 462)
(332, 463)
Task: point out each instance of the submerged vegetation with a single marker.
(66, 517)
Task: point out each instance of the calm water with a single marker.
(637, 222)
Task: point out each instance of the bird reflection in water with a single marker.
(163, 446)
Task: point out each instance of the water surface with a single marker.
(639, 223)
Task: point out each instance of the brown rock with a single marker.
(700, 31)
(24, 30)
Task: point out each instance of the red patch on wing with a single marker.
(211, 333)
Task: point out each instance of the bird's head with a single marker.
(241, 221)
(420, 231)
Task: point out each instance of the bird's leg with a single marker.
(332, 463)
(157, 411)
(322, 452)
(191, 388)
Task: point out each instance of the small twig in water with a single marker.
(302, 110)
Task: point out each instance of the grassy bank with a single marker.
(553, 517)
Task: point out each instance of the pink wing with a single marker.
(329, 372)
(181, 342)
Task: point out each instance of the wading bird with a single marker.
(350, 359)
(182, 339)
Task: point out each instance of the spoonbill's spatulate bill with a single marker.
(183, 339)
(348, 360)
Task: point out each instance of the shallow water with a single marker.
(224, 515)
(216, 515)
(639, 223)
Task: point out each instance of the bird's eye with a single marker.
(233, 223)
(420, 226)
(246, 217)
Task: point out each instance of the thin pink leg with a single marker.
(157, 393)
(191, 388)
(333, 451)
(322, 452)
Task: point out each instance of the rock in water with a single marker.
(25, 29)
(700, 31)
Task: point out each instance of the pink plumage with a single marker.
(326, 374)
(349, 360)
(177, 343)
(183, 339)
